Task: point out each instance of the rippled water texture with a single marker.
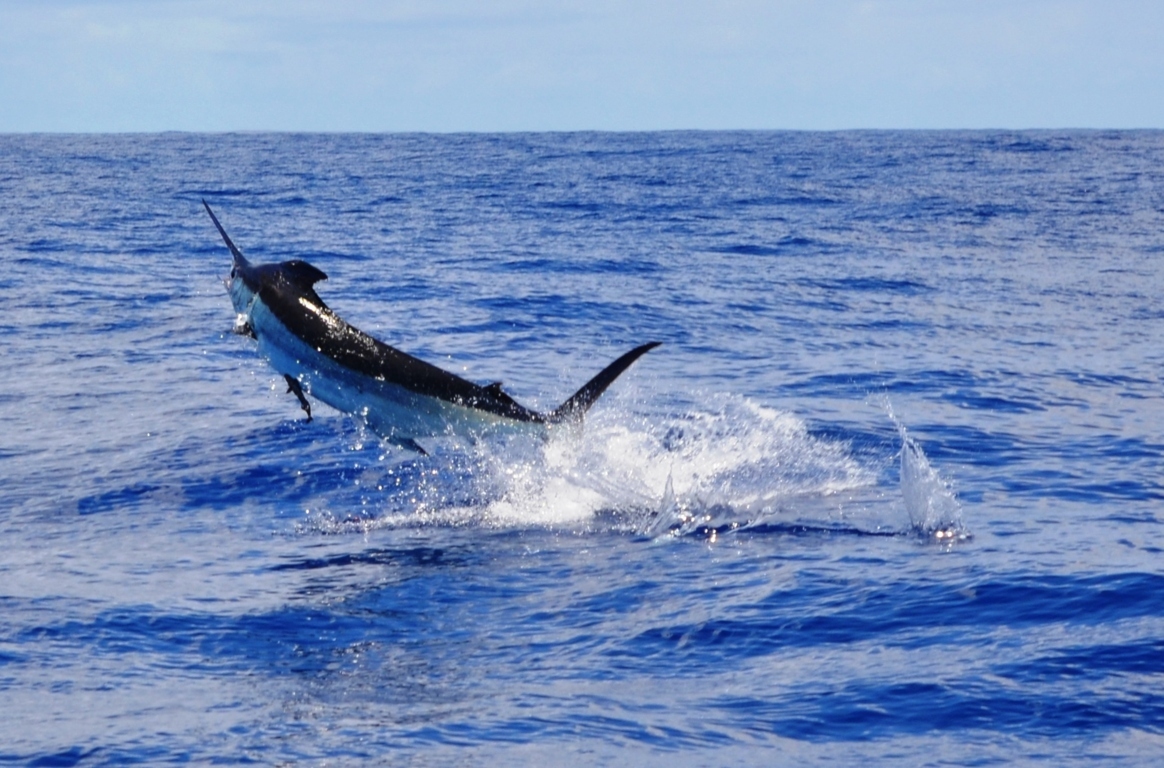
(889, 490)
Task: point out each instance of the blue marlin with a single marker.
(400, 397)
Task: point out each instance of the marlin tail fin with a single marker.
(575, 408)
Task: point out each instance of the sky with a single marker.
(535, 65)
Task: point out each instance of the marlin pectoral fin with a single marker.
(294, 386)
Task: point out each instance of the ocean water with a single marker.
(890, 490)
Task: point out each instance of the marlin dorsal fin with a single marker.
(302, 274)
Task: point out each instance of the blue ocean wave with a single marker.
(888, 491)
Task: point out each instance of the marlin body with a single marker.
(398, 396)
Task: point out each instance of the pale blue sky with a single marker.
(452, 65)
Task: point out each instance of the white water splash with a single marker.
(929, 499)
(739, 464)
(730, 465)
(733, 464)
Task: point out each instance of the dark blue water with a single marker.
(889, 491)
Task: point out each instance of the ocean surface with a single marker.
(889, 491)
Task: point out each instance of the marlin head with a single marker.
(247, 280)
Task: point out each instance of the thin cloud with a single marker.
(114, 65)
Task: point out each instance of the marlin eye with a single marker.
(232, 273)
